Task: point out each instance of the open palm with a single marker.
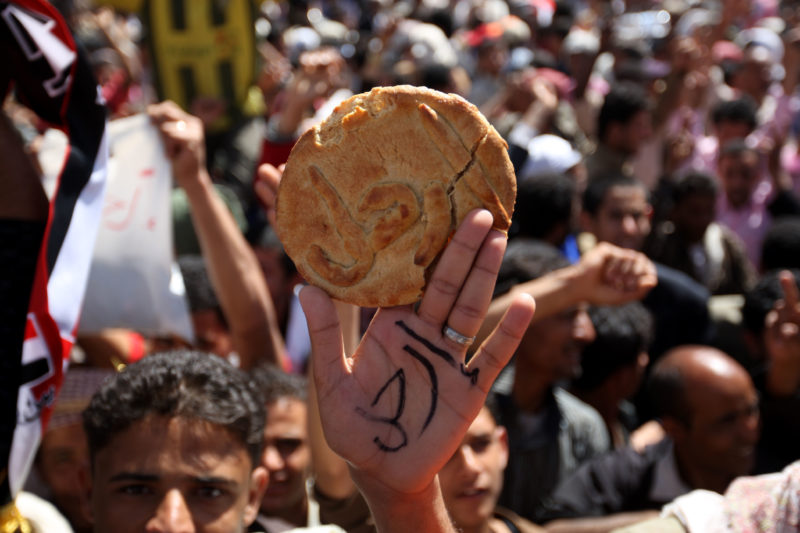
(397, 409)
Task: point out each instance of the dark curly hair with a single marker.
(187, 384)
(622, 333)
(272, 384)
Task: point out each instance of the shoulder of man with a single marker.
(588, 433)
(576, 411)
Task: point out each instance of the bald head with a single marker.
(686, 370)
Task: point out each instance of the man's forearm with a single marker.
(236, 276)
(553, 292)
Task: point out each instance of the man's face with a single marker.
(175, 475)
(739, 176)
(62, 458)
(472, 479)
(728, 130)
(628, 137)
(552, 347)
(755, 75)
(724, 430)
(637, 131)
(623, 219)
(693, 215)
(211, 335)
(286, 456)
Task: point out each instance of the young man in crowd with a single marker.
(749, 204)
(473, 478)
(613, 366)
(616, 210)
(623, 126)
(691, 242)
(287, 454)
(174, 445)
(550, 432)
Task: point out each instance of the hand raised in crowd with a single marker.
(397, 409)
(782, 339)
(268, 178)
(609, 275)
(320, 73)
(606, 275)
(183, 140)
(275, 71)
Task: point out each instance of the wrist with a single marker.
(395, 511)
(198, 184)
(573, 283)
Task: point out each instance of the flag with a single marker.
(52, 76)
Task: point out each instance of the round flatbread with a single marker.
(370, 197)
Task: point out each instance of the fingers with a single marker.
(165, 112)
(176, 125)
(789, 287)
(784, 318)
(629, 271)
(266, 188)
(473, 302)
(325, 333)
(453, 267)
(496, 351)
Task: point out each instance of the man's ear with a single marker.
(259, 478)
(674, 428)
(502, 437)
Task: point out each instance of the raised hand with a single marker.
(268, 178)
(609, 275)
(183, 141)
(398, 408)
(782, 339)
(232, 265)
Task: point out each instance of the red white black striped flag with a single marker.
(51, 75)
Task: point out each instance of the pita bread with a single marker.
(371, 196)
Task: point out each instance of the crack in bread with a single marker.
(371, 196)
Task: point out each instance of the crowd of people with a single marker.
(656, 145)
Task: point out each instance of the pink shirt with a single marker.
(751, 221)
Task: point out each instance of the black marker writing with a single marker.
(444, 354)
(434, 383)
(393, 421)
(471, 374)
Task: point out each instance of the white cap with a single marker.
(549, 153)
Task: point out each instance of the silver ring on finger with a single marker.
(457, 337)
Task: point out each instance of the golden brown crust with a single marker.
(370, 197)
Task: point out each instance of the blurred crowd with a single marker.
(657, 224)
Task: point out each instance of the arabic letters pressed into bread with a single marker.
(370, 197)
